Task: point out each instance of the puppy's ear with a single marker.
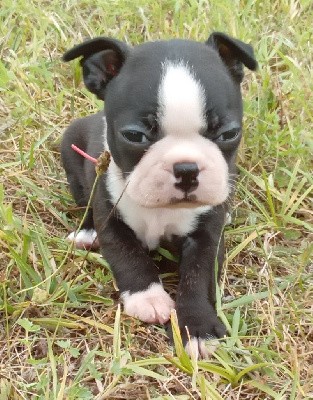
(102, 60)
(234, 54)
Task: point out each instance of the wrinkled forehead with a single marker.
(178, 77)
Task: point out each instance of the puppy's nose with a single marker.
(186, 174)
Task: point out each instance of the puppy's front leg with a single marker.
(195, 301)
(135, 273)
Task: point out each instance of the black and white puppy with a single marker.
(172, 123)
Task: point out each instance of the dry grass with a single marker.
(61, 332)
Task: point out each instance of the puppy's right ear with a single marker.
(102, 60)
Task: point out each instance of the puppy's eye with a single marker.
(135, 136)
(228, 135)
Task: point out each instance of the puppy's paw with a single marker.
(85, 239)
(153, 305)
(201, 348)
(200, 328)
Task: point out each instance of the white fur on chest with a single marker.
(151, 224)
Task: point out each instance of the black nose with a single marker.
(187, 172)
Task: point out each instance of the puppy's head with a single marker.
(174, 114)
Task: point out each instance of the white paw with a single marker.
(153, 305)
(201, 348)
(84, 239)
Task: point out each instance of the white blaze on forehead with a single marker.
(181, 101)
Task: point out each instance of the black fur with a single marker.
(123, 77)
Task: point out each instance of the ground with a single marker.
(62, 333)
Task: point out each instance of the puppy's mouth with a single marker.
(174, 202)
(188, 201)
(188, 198)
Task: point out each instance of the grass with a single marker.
(62, 334)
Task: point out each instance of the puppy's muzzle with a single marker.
(186, 174)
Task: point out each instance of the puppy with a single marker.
(172, 124)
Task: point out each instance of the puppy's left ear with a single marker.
(102, 60)
(234, 53)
